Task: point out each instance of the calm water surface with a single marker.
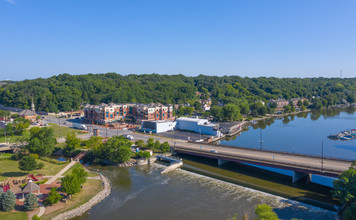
(302, 133)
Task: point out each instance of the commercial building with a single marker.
(197, 125)
(158, 126)
(107, 113)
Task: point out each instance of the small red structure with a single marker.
(33, 177)
(5, 188)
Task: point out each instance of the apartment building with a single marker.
(111, 112)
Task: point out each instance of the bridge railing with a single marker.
(272, 161)
(279, 152)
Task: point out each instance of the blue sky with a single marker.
(281, 38)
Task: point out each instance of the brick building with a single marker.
(107, 113)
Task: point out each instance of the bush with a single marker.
(27, 163)
(31, 202)
(8, 201)
(5, 156)
(17, 156)
(35, 217)
(53, 197)
(165, 147)
(40, 165)
(34, 156)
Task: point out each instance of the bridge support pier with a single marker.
(221, 162)
(299, 175)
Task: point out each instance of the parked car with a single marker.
(213, 151)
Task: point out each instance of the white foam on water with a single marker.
(238, 192)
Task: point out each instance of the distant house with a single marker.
(28, 114)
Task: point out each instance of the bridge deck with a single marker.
(300, 163)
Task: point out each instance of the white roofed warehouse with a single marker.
(197, 125)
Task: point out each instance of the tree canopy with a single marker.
(41, 141)
(345, 190)
(66, 92)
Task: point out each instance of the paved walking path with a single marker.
(50, 181)
(42, 210)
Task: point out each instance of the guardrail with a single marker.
(260, 161)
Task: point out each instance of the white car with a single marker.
(213, 151)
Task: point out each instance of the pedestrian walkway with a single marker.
(50, 181)
(42, 210)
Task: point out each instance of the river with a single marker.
(142, 193)
(203, 190)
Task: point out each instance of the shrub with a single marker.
(17, 156)
(53, 197)
(8, 201)
(35, 217)
(40, 165)
(34, 156)
(27, 163)
(165, 147)
(31, 202)
(5, 156)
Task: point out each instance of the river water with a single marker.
(302, 133)
(203, 190)
(142, 193)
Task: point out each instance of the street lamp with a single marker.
(322, 155)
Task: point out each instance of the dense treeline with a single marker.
(66, 92)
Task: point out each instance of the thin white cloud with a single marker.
(10, 1)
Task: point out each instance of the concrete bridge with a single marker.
(301, 165)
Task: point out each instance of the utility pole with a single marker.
(60, 127)
(322, 156)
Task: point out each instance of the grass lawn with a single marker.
(10, 168)
(90, 189)
(63, 131)
(13, 215)
(13, 139)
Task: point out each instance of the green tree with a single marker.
(157, 144)
(143, 154)
(344, 188)
(217, 112)
(42, 141)
(165, 147)
(150, 143)
(8, 201)
(80, 174)
(31, 202)
(27, 163)
(72, 144)
(287, 108)
(262, 110)
(265, 212)
(231, 112)
(94, 144)
(70, 184)
(117, 149)
(140, 143)
(53, 197)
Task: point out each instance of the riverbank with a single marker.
(88, 205)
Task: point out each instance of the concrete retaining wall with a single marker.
(85, 207)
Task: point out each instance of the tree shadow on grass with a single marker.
(13, 174)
